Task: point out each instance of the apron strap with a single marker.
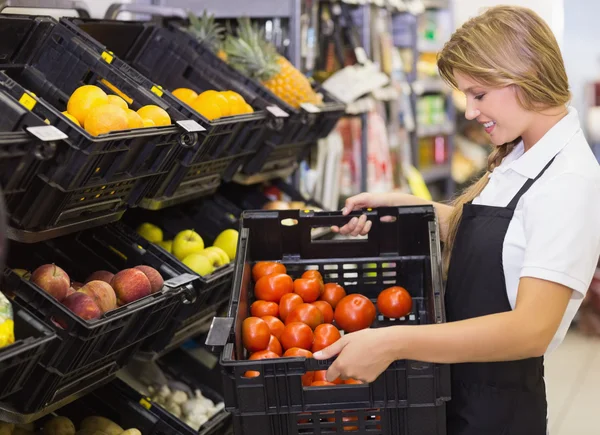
(513, 203)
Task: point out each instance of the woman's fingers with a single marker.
(359, 225)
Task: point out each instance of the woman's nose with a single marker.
(471, 113)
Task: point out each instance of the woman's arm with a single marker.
(522, 333)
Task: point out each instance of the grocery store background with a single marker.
(409, 134)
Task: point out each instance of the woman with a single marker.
(521, 244)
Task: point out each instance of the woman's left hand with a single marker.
(362, 355)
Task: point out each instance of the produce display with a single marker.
(93, 425)
(98, 113)
(214, 104)
(101, 292)
(7, 325)
(297, 317)
(188, 247)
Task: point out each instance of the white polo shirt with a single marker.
(555, 232)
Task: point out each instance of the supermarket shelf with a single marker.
(436, 173)
(429, 47)
(424, 86)
(79, 6)
(235, 8)
(436, 4)
(435, 130)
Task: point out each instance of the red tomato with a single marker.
(325, 335)
(307, 378)
(263, 354)
(394, 302)
(325, 309)
(275, 325)
(255, 334)
(274, 346)
(297, 334)
(305, 313)
(272, 287)
(353, 382)
(354, 312)
(287, 304)
(320, 376)
(313, 274)
(263, 268)
(264, 308)
(308, 289)
(333, 293)
(322, 384)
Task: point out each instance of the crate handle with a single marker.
(76, 5)
(115, 9)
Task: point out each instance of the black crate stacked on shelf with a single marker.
(147, 54)
(89, 353)
(408, 398)
(91, 178)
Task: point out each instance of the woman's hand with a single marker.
(351, 350)
(361, 226)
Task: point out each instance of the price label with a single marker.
(47, 133)
(107, 56)
(310, 108)
(277, 112)
(190, 126)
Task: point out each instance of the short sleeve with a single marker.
(561, 221)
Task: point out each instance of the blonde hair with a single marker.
(504, 46)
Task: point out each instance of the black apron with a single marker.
(499, 398)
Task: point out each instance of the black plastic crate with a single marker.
(146, 51)
(120, 332)
(17, 361)
(405, 252)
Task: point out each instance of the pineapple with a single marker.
(253, 56)
(207, 31)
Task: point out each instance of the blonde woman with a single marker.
(522, 243)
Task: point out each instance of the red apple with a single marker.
(52, 279)
(102, 294)
(130, 285)
(83, 305)
(101, 275)
(155, 278)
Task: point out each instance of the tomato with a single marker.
(272, 287)
(274, 346)
(308, 289)
(307, 378)
(313, 274)
(322, 384)
(255, 334)
(320, 376)
(353, 382)
(346, 420)
(325, 309)
(305, 313)
(275, 325)
(264, 308)
(325, 335)
(297, 334)
(394, 302)
(263, 268)
(287, 304)
(354, 312)
(262, 354)
(333, 293)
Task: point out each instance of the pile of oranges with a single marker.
(98, 113)
(214, 104)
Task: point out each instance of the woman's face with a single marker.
(497, 109)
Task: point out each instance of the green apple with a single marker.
(150, 232)
(224, 258)
(199, 263)
(25, 274)
(228, 241)
(187, 242)
(167, 245)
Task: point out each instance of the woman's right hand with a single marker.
(361, 226)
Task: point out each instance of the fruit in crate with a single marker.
(130, 285)
(59, 426)
(264, 308)
(216, 256)
(115, 100)
(210, 110)
(227, 240)
(156, 114)
(52, 279)
(184, 94)
(297, 334)
(102, 293)
(255, 334)
(7, 324)
(155, 278)
(187, 242)
(199, 264)
(287, 304)
(167, 245)
(308, 289)
(84, 99)
(251, 54)
(83, 305)
(211, 97)
(354, 312)
(71, 118)
(102, 425)
(101, 275)
(105, 119)
(25, 274)
(305, 313)
(76, 285)
(134, 120)
(263, 268)
(333, 294)
(325, 309)
(394, 302)
(273, 287)
(276, 326)
(325, 335)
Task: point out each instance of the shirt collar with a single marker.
(532, 162)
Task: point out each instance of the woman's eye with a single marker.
(480, 97)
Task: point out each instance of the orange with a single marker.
(156, 114)
(214, 97)
(104, 119)
(184, 94)
(236, 102)
(210, 110)
(148, 123)
(72, 118)
(85, 99)
(134, 120)
(117, 101)
(248, 108)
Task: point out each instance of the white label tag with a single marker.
(277, 111)
(310, 107)
(361, 55)
(190, 126)
(47, 133)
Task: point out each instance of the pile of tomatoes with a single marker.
(292, 318)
